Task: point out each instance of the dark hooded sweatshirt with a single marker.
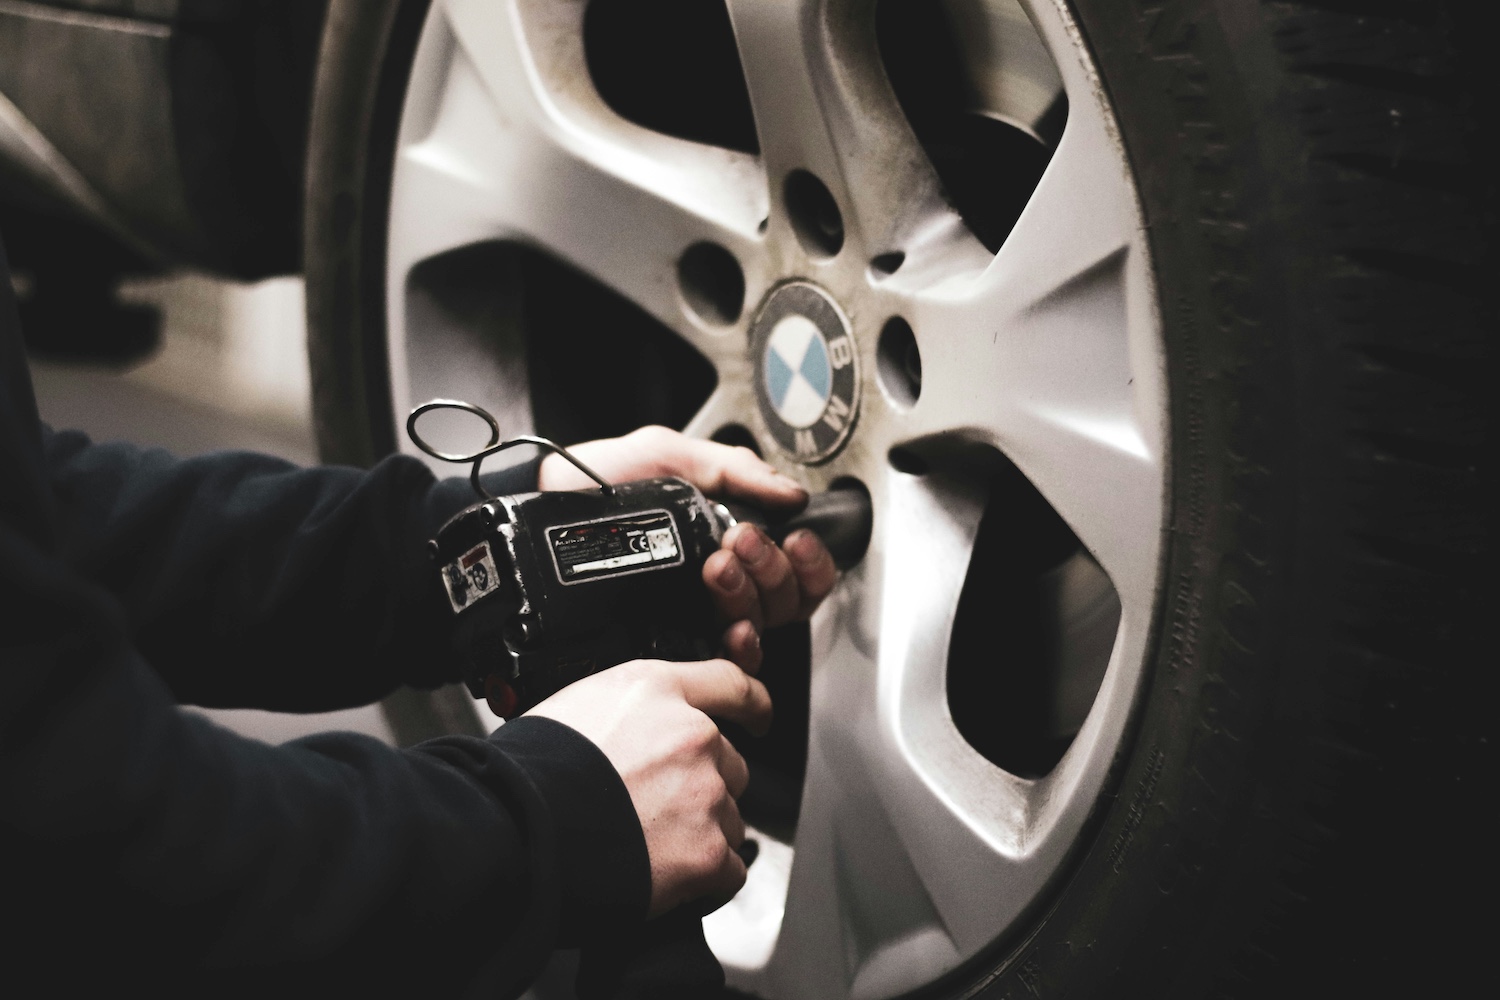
(143, 845)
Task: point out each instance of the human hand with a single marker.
(651, 718)
(755, 584)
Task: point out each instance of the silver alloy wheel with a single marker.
(912, 851)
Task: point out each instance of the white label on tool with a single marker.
(631, 543)
(470, 576)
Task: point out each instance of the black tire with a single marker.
(362, 69)
(1301, 807)
(1298, 808)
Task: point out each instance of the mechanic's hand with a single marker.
(755, 584)
(652, 720)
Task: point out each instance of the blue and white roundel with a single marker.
(806, 372)
(798, 377)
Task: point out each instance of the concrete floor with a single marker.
(231, 374)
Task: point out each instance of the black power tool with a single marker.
(548, 588)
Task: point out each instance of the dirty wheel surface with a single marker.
(1109, 306)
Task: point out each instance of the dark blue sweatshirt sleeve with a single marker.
(248, 582)
(162, 846)
(146, 846)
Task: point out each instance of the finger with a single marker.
(721, 470)
(730, 876)
(644, 452)
(742, 645)
(769, 569)
(612, 458)
(733, 769)
(813, 566)
(734, 593)
(715, 468)
(724, 691)
(731, 822)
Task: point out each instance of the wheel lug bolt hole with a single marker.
(712, 283)
(737, 436)
(886, 264)
(899, 363)
(814, 214)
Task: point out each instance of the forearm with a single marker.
(138, 829)
(250, 582)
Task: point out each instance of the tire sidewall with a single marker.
(364, 63)
(1241, 792)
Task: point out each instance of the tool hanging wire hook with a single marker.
(493, 446)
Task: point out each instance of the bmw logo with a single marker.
(806, 372)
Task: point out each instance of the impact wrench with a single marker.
(548, 588)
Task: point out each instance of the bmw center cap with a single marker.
(806, 372)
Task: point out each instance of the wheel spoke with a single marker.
(732, 401)
(1050, 355)
(911, 848)
(859, 888)
(822, 103)
(508, 148)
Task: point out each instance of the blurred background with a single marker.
(226, 369)
(151, 178)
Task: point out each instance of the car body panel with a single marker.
(176, 127)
